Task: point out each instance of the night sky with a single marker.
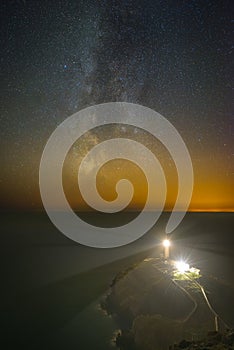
(58, 57)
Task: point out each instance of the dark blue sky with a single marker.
(61, 56)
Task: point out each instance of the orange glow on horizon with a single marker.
(213, 183)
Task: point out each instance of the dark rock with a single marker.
(228, 338)
(184, 344)
(125, 340)
(213, 341)
(212, 334)
(214, 337)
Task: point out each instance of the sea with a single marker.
(52, 287)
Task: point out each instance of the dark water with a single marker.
(51, 286)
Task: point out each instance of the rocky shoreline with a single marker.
(213, 341)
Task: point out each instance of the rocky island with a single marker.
(155, 309)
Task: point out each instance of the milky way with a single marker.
(61, 56)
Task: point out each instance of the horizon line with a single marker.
(211, 210)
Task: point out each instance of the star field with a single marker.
(174, 57)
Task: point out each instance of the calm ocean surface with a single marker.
(51, 287)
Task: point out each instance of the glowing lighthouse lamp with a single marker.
(182, 267)
(166, 244)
